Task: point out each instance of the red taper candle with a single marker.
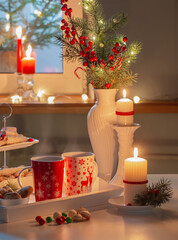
(28, 63)
(19, 49)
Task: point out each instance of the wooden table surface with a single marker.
(72, 104)
(106, 224)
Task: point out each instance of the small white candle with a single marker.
(135, 173)
(125, 110)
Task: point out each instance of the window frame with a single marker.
(51, 83)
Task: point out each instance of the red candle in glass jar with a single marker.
(19, 49)
(28, 62)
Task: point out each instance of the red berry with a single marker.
(108, 85)
(93, 53)
(95, 59)
(91, 59)
(150, 192)
(114, 49)
(81, 37)
(90, 46)
(62, 1)
(67, 35)
(64, 7)
(63, 27)
(30, 140)
(85, 64)
(84, 54)
(63, 20)
(72, 42)
(117, 44)
(69, 10)
(73, 33)
(1, 196)
(38, 218)
(81, 52)
(68, 29)
(125, 39)
(85, 38)
(129, 204)
(111, 57)
(87, 49)
(59, 221)
(90, 43)
(3, 136)
(112, 68)
(41, 221)
(66, 24)
(82, 42)
(156, 191)
(124, 48)
(75, 40)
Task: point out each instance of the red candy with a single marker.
(30, 140)
(41, 221)
(63, 218)
(59, 220)
(38, 218)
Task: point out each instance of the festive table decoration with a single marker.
(106, 57)
(156, 194)
(135, 177)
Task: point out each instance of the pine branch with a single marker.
(156, 194)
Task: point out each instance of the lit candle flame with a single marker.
(28, 52)
(136, 99)
(124, 93)
(84, 97)
(19, 32)
(135, 153)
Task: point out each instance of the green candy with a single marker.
(48, 219)
(64, 214)
(68, 219)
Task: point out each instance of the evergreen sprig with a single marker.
(156, 194)
(102, 36)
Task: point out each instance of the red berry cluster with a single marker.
(155, 191)
(69, 32)
(65, 8)
(87, 52)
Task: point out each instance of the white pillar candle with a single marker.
(125, 110)
(135, 177)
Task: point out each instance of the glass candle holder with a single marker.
(20, 84)
(29, 95)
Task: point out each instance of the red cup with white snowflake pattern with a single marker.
(48, 173)
(80, 172)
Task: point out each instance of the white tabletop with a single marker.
(106, 224)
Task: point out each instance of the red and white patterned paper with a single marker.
(78, 175)
(48, 179)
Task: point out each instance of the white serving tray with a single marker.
(94, 200)
(18, 145)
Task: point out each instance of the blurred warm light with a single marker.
(7, 16)
(24, 38)
(19, 32)
(84, 97)
(16, 99)
(37, 12)
(51, 100)
(40, 93)
(136, 99)
(94, 37)
(7, 27)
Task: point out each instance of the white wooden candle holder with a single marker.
(125, 138)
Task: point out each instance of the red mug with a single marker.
(48, 173)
